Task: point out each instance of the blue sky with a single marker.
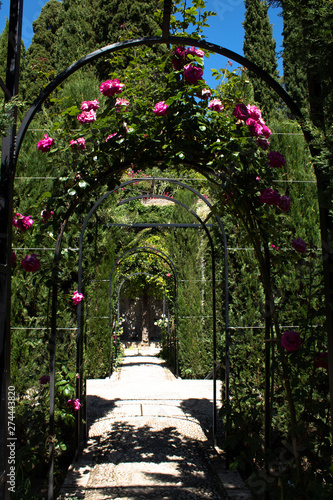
(225, 28)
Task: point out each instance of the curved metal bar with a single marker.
(162, 197)
(213, 262)
(152, 40)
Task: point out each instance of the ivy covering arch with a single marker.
(182, 123)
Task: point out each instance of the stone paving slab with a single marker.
(149, 438)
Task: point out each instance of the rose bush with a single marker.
(229, 147)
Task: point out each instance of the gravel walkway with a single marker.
(149, 437)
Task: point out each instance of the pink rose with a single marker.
(299, 245)
(89, 105)
(291, 340)
(255, 127)
(276, 159)
(46, 215)
(205, 93)
(120, 101)
(21, 222)
(266, 131)
(179, 58)
(31, 263)
(111, 87)
(254, 113)
(195, 52)
(270, 197)
(284, 203)
(87, 116)
(77, 298)
(74, 403)
(241, 112)
(160, 108)
(79, 143)
(45, 144)
(215, 105)
(111, 136)
(263, 143)
(192, 73)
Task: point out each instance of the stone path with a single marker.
(150, 438)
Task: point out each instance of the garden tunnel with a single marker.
(10, 150)
(80, 327)
(158, 253)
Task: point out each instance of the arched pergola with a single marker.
(79, 339)
(10, 150)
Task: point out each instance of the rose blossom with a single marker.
(120, 101)
(240, 111)
(255, 127)
(111, 87)
(46, 215)
(79, 143)
(89, 105)
(215, 105)
(160, 108)
(276, 159)
(291, 340)
(77, 297)
(270, 197)
(206, 93)
(74, 403)
(322, 360)
(13, 258)
(179, 58)
(45, 144)
(195, 52)
(284, 203)
(44, 379)
(22, 222)
(266, 131)
(263, 143)
(192, 73)
(31, 263)
(254, 112)
(111, 136)
(87, 116)
(299, 245)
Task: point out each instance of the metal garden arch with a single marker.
(10, 150)
(79, 340)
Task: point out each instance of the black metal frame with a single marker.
(10, 150)
(203, 224)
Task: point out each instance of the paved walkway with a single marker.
(150, 438)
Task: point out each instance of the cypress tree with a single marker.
(122, 21)
(259, 47)
(75, 37)
(40, 61)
